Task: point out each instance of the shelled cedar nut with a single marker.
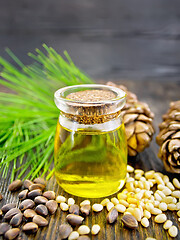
(85, 209)
(36, 186)
(34, 193)
(23, 194)
(12, 233)
(25, 204)
(40, 221)
(1, 213)
(30, 227)
(64, 231)
(1, 196)
(83, 237)
(42, 210)
(73, 235)
(11, 213)
(74, 209)
(4, 227)
(8, 207)
(15, 185)
(40, 200)
(74, 219)
(112, 215)
(130, 221)
(83, 230)
(29, 213)
(95, 229)
(52, 206)
(40, 181)
(49, 195)
(16, 220)
(27, 183)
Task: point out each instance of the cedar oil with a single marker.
(90, 163)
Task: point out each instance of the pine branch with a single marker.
(28, 117)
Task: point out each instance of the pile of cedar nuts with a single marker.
(137, 202)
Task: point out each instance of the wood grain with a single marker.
(158, 95)
(119, 39)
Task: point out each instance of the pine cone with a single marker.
(137, 118)
(169, 138)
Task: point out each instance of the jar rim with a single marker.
(86, 111)
(60, 94)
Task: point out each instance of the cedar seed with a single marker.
(4, 227)
(85, 209)
(112, 215)
(29, 213)
(52, 206)
(12, 233)
(23, 194)
(74, 219)
(11, 213)
(36, 186)
(40, 181)
(42, 210)
(40, 200)
(27, 183)
(15, 185)
(64, 231)
(30, 227)
(49, 195)
(27, 203)
(74, 209)
(8, 207)
(40, 221)
(129, 221)
(34, 193)
(16, 220)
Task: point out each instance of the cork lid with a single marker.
(90, 100)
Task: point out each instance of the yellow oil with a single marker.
(90, 163)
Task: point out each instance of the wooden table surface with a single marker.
(157, 94)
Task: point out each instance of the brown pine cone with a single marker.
(169, 138)
(137, 118)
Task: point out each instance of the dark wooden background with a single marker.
(107, 39)
(136, 43)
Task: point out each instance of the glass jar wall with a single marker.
(90, 144)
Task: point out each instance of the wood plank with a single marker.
(159, 17)
(105, 57)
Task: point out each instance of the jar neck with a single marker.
(72, 125)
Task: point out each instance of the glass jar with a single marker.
(90, 144)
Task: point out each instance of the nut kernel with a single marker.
(160, 218)
(85, 202)
(104, 202)
(71, 201)
(145, 222)
(109, 206)
(95, 229)
(176, 183)
(173, 231)
(97, 207)
(64, 206)
(60, 199)
(120, 208)
(83, 229)
(167, 224)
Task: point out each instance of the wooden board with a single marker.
(157, 94)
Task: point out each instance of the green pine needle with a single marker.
(28, 116)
